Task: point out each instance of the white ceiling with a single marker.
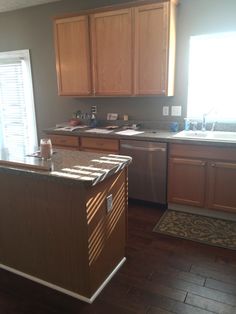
(10, 5)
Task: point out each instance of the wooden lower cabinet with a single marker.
(202, 176)
(187, 181)
(222, 183)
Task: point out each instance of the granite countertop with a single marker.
(73, 167)
(147, 135)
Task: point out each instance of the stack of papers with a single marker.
(129, 132)
(70, 128)
(102, 131)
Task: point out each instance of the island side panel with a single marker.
(43, 230)
(106, 230)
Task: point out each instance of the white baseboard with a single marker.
(60, 289)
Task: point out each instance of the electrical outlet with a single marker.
(109, 203)
(94, 109)
(165, 110)
(176, 111)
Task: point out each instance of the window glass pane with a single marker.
(212, 77)
(17, 116)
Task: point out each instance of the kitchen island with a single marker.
(63, 221)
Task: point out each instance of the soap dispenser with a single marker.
(93, 121)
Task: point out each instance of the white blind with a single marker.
(17, 120)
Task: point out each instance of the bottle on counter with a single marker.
(93, 121)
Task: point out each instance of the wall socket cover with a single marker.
(109, 203)
(165, 110)
(176, 111)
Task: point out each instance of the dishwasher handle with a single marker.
(146, 149)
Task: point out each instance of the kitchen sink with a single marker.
(230, 136)
(208, 135)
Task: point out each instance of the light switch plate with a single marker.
(109, 203)
(94, 109)
(176, 111)
(165, 110)
(112, 116)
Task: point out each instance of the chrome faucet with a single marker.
(204, 122)
(213, 126)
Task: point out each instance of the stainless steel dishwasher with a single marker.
(148, 171)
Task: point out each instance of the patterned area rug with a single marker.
(208, 230)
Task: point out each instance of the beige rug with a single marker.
(208, 230)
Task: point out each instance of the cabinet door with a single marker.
(151, 49)
(186, 183)
(73, 56)
(112, 52)
(222, 183)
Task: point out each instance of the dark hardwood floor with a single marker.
(162, 275)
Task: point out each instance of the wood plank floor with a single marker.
(162, 275)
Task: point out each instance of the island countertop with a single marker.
(73, 167)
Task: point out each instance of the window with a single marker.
(17, 116)
(212, 77)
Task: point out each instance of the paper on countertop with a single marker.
(129, 132)
(70, 128)
(102, 131)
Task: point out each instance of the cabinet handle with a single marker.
(213, 164)
(203, 163)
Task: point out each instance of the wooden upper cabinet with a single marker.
(73, 56)
(154, 49)
(126, 51)
(111, 34)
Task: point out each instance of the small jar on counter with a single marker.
(45, 148)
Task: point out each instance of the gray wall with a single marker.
(32, 28)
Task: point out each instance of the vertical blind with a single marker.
(17, 117)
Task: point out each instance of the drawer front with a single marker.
(202, 151)
(64, 140)
(99, 144)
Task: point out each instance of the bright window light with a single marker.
(212, 77)
(18, 134)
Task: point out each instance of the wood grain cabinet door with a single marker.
(222, 186)
(111, 34)
(151, 49)
(186, 181)
(73, 56)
